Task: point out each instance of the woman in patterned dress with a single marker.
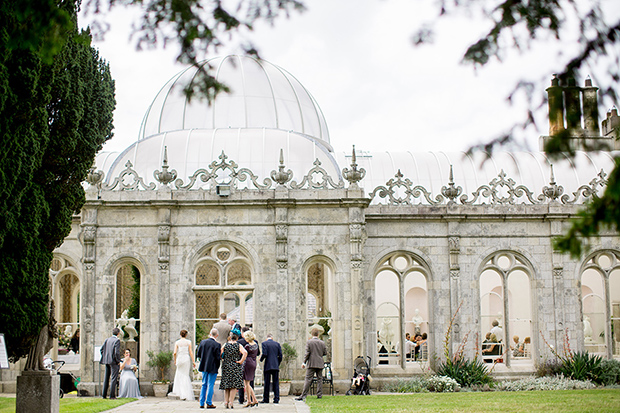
(233, 356)
(250, 367)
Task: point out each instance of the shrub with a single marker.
(544, 383)
(611, 372)
(582, 365)
(161, 361)
(548, 367)
(466, 372)
(412, 385)
(442, 384)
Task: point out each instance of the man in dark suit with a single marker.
(314, 363)
(209, 353)
(272, 356)
(111, 357)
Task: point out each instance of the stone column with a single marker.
(88, 296)
(454, 247)
(163, 265)
(357, 231)
(283, 306)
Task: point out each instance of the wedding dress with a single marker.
(182, 382)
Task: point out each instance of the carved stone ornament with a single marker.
(165, 176)
(282, 265)
(281, 177)
(558, 271)
(451, 192)
(163, 233)
(94, 176)
(356, 231)
(281, 232)
(455, 274)
(128, 180)
(356, 264)
(163, 266)
(454, 242)
(353, 175)
(90, 233)
(89, 266)
(409, 192)
(553, 191)
(312, 180)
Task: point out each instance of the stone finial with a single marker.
(94, 176)
(281, 176)
(165, 176)
(553, 191)
(353, 175)
(451, 191)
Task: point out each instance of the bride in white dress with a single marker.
(184, 360)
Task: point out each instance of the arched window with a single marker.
(318, 299)
(601, 318)
(401, 307)
(66, 293)
(223, 284)
(506, 306)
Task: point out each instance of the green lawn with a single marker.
(72, 404)
(605, 400)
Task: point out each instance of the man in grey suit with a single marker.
(111, 357)
(314, 363)
(223, 329)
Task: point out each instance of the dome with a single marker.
(262, 95)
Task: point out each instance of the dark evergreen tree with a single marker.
(56, 103)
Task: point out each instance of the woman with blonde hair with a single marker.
(250, 367)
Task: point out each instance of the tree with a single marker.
(585, 26)
(55, 114)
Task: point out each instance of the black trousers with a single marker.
(271, 381)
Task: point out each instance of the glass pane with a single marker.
(388, 319)
(520, 306)
(416, 304)
(491, 301)
(614, 296)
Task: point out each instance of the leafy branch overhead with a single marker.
(587, 32)
(199, 27)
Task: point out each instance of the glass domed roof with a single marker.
(262, 95)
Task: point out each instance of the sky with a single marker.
(376, 90)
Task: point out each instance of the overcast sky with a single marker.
(376, 90)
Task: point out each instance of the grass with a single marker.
(598, 400)
(72, 404)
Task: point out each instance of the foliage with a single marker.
(611, 372)
(55, 114)
(441, 384)
(161, 361)
(582, 365)
(288, 354)
(199, 27)
(411, 385)
(544, 383)
(587, 33)
(134, 307)
(324, 318)
(596, 400)
(201, 334)
(548, 367)
(466, 372)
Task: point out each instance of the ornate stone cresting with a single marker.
(223, 172)
(394, 187)
(494, 190)
(587, 191)
(310, 179)
(165, 176)
(353, 175)
(128, 180)
(280, 176)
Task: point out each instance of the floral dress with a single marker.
(232, 372)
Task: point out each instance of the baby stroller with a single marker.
(360, 383)
(67, 380)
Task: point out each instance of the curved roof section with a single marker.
(262, 95)
(431, 170)
(190, 150)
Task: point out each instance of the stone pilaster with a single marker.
(357, 234)
(454, 247)
(88, 297)
(282, 284)
(163, 268)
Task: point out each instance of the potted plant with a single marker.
(288, 354)
(160, 361)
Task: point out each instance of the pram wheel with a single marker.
(62, 394)
(368, 392)
(348, 393)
